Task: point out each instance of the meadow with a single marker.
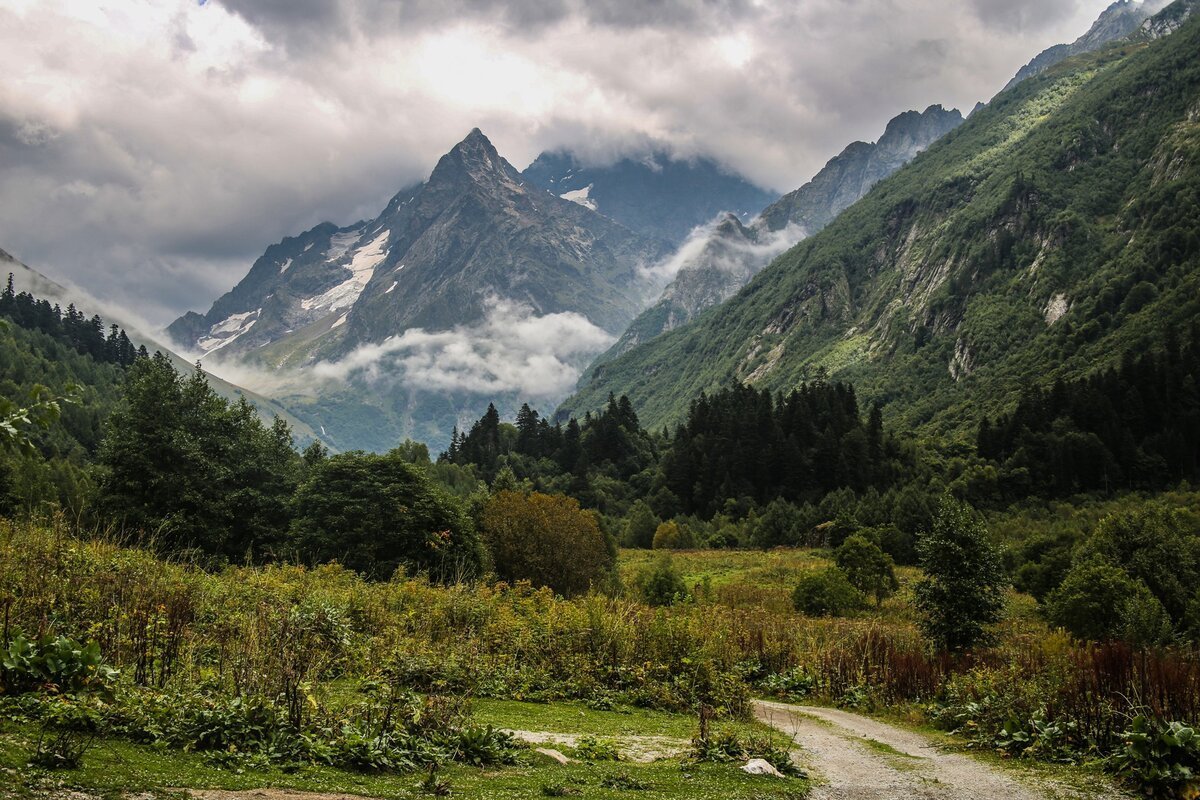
(315, 678)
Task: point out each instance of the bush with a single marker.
(547, 540)
(670, 535)
(56, 663)
(1090, 602)
(589, 748)
(868, 568)
(827, 594)
(661, 585)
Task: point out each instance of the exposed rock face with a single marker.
(1119, 20)
(1167, 21)
(851, 174)
(432, 259)
(657, 195)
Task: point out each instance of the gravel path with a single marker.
(858, 758)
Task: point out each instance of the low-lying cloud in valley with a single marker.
(512, 350)
(704, 247)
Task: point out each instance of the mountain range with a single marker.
(474, 285)
(430, 260)
(719, 260)
(1046, 237)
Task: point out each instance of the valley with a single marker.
(705, 456)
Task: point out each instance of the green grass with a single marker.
(723, 567)
(749, 578)
(898, 759)
(115, 767)
(1086, 778)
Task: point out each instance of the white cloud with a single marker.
(512, 350)
(705, 248)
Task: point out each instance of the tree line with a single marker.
(85, 334)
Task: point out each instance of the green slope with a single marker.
(939, 294)
(27, 279)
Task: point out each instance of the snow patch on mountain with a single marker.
(362, 267)
(339, 243)
(227, 330)
(581, 196)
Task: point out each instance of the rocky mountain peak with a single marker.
(474, 158)
(1120, 19)
(923, 126)
(730, 224)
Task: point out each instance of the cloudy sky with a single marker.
(151, 149)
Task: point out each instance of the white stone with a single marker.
(759, 766)
(551, 753)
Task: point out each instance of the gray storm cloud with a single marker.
(150, 151)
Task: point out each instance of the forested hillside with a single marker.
(1044, 239)
(45, 350)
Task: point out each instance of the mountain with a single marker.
(1118, 21)
(27, 279)
(851, 174)
(1167, 21)
(474, 285)
(657, 195)
(1051, 234)
(722, 258)
(430, 260)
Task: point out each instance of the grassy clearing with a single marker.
(757, 578)
(774, 568)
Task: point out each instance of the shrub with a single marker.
(1100, 602)
(1090, 601)
(547, 540)
(868, 568)
(57, 663)
(670, 535)
(589, 748)
(826, 594)
(661, 585)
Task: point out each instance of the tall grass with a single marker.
(288, 633)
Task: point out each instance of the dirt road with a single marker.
(858, 758)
